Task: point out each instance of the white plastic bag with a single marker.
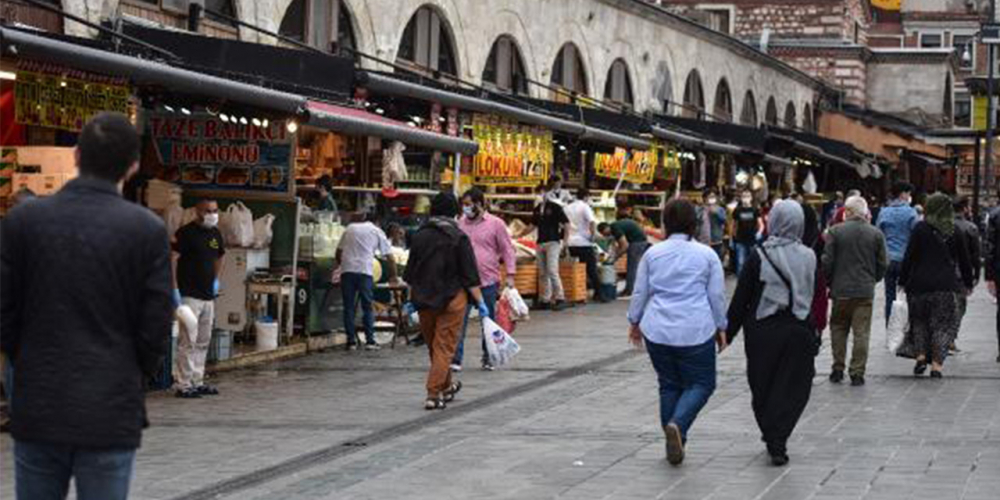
(236, 224)
(499, 344)
(518, 307)
(899, 323)
(262, 232)
(809, 186)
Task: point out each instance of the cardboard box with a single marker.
(47, 159)
(40, 184)
(26, 181)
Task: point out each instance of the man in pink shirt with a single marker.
(492, 246)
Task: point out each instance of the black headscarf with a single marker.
(811, 232)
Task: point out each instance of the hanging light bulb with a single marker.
(266, 123)
(186, 111)
(168, 108)
(256, 122)
(243, 120)
(292, 126)
(224, 117)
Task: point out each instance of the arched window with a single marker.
(224, 7)
(664, 87)
(771, 114)
(618, 86)
(748, 116)
(505, 67)
(790, 116)
(694, 96)
(311, 22)
(723, 108)
(568, 71)
(427, 42)
(807, 119)
(946, 109)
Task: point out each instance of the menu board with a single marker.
(60, 102)
(510, 154)
(201, 152)
(639, 170)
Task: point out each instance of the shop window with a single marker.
(931, 40)
(748, 116)
(618, 86)
(694, 96)
(309, 21)
(568, 71)
(723, 109)
(427, 42)
(771, 114)
(963, 110)
(719, 20)
(790, 116)
(965, 50)
(505, 67)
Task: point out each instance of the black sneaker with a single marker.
(858, 381)
(207, 390)
(488, 367)
(778, 454)
(936, 374)
(837, 376)
(351, 347)
(189, 393)
(559, 305)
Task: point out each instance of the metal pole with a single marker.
(989, 101)
(976, 178)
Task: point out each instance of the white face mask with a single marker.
(712, 201)
(210, 220)
(469, 211)
(747, 200)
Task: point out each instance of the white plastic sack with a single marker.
(809, 186)
(393, 165)
(899, 323)
(518, 307)
(236, 225)
(499, 344)
(262, 232)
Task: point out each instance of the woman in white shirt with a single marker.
(678, 310)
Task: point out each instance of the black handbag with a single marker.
(809, 323)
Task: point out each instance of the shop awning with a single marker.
(16, 43)
(818, 151)
(359, 122)
(383, 84)
(692, 140)
(927, 159)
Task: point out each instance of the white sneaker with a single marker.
(456, 368)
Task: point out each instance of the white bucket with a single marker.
(267, 335)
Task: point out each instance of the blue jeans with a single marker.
(42, 471)
(891, 283)
(742, 251)
(687, 380)
(355, 286)
(490, 295)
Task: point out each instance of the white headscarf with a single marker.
(795, 261)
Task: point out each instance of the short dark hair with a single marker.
(680, 217)
(108, 147)
(582, 193)
(707, 192)
(444, 204)
(901, 187)
(325, 182)
(475, 195)
(961, 203)
(602, 226)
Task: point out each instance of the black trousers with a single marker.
(588, 257)
(780, 369)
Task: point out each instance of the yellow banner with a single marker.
(886, 4)
(510, 154)
(640, 169)
(64, 103)
(979, 111)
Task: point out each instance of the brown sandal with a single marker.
(450, 392)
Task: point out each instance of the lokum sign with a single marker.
(202, 152)
(510, 154)
(639, 170)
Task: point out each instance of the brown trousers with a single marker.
(440, 328)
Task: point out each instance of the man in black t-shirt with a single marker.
(198, 248)
(553, 237)
(746, 225)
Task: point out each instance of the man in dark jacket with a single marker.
(967, 230)
(85, 313)
(442, 274)
(854, 260)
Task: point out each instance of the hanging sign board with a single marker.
(55, 101)
(201, 152)
(640, 169)
(979, 111)
(510, 154)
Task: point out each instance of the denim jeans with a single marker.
(891, 282)
(634, 253)
(358, 286)
(687, 379)
(43, 471)
(742, 251)
(490, 295)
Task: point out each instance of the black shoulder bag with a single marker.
(817, 342)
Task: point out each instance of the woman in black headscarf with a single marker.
(772, 303)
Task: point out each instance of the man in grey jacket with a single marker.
(854, 260)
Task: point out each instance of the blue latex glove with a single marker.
(484, 312)
(216, 287)
(177, 297)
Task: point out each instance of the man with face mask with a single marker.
(492, 246)
(197, 264)
(747, 225)
(896, 222)
(711, 222)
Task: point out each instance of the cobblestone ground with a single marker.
(576, 418)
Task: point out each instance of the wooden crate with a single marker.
(621, 265)
(574, 281)
(526, 279)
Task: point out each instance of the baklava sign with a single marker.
(201, 152)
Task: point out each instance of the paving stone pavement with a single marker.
(576, 418)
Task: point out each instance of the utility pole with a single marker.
(990, 108)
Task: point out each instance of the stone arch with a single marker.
(694, 96)
(569, 70)
(505, 67)
(507, 23)
(790, 118)
(566, 32)
(748, 113)
(618, 84)
(440, 56)
(722, 108)
(771, 114)
(808, 118)
(663, 87)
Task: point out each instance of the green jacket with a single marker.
(854, 259)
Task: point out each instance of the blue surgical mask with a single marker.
(469, 211)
